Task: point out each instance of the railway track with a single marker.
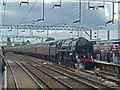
(105, 76)
(99, 86)
(103, 73)
(65, 78)
(16, 80)
(48, 80)
(97, 79)
(72, 82)
(88, 73)
(13, 79)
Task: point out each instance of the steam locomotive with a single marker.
(67, 51)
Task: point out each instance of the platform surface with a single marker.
(104, 62)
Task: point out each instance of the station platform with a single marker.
(104, 62)
(112, 68)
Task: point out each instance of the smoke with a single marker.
(79, 66)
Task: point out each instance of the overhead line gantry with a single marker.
(38, 27)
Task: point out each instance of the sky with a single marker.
(67, 13)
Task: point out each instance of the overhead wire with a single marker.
(16, 17)
(100, 19)
(83, 12)
(28, 12)
(17, 14)
(76, 15)
(63, 21)
(91, 24)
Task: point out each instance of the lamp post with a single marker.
(108, 35)
(97, 33)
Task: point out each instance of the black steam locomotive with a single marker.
(78, 50)
(67, 51)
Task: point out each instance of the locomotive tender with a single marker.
(67, 51)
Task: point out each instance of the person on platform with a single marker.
(108, 55)
(105, 54)
(2, 65)
(3, 51)
(116, 55)
(98, 52)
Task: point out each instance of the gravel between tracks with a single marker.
(69, 81)
(50, 81)
(10, 79)
(23, 80)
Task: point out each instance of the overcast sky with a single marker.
(67, 13)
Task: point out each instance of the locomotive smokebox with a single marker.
(82, 46)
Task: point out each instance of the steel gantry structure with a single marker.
(39, 27)
(13, 36)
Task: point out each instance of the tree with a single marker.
(9, 42)
(17, 44)
(24, 43)
(49, 39)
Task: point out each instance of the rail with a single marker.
(67, 75)
(28, 74)
(16, 84)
